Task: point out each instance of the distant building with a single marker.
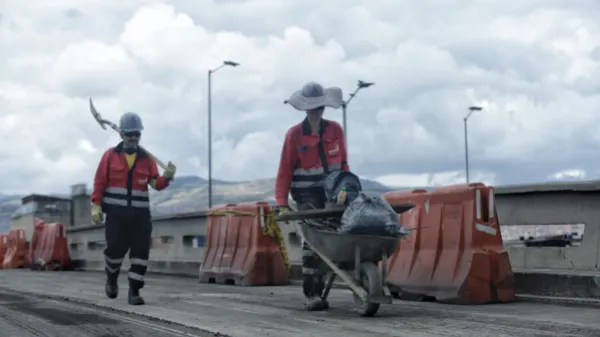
(68, 211)
(81, 205)
(48, 208)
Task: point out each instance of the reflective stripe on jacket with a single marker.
(118, 187)
(301, 168)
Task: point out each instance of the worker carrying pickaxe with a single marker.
(121, 191)
(312, 149)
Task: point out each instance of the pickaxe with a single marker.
(103, 122)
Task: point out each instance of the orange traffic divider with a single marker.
(456, 254)
(244, 246)
(48, 249)
(16, 251)
(3, 245)
(38, 226)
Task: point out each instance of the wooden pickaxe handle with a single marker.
(103, 122)
(158, 161)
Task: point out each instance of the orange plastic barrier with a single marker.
(38, 227)
(238, 250)
(48, 249)
(3, 245)
(16, 251)
(457, 255)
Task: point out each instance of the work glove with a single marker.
(170, 171)
(97, 215)
(281, 210)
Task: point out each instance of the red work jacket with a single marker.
(118, 188)
(306, 159)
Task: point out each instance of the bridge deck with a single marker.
(28, 316)
(277, 311)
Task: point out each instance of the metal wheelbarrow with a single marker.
(353, 258)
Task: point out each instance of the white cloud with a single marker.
(533, 65)
(92, 66)
(435, 179)
(568, 174)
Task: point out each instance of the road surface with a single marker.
(30, 316)
(277, 311)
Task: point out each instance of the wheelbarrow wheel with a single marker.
(370, 280)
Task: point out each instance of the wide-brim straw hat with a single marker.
(313, 95)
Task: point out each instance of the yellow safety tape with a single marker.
(221, 212)
(271, 229)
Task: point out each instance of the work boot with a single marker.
(319, 287)
(111, 289)
(135, 298)
(312, 286)
(316, 304)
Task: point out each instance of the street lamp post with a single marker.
(471, 110)
(360, 85)
(210, 72)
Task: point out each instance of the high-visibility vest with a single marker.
(306, 159)
(118, 188)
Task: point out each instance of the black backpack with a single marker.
(336, 180)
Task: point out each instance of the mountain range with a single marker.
(190, 193)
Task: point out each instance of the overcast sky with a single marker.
(534, 65)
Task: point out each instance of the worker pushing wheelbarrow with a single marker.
(314, 168)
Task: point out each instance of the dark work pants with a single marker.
(312, 280)
(127, 232)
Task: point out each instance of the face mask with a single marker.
(130, 144)
(315, 113)
(129, 150)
